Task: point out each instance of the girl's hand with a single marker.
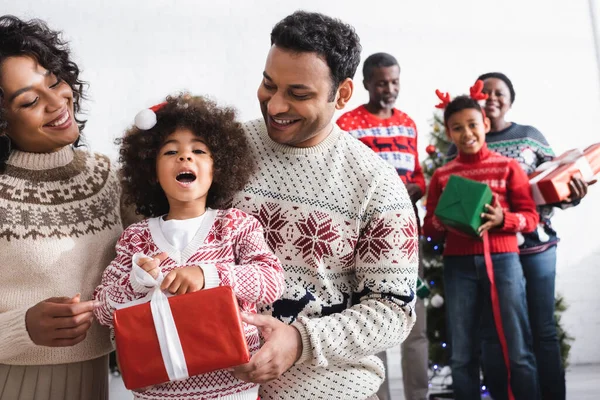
(151, 265)
(494, 216)
(184, 280)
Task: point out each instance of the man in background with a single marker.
(392, 134)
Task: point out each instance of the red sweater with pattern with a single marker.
(394, 139)
(508, 183)
(236, 246)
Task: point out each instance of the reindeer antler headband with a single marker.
(475, 93)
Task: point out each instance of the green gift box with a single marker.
(461, 204)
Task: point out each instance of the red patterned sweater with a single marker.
(507, 181)
(394, 139)
(235, 245)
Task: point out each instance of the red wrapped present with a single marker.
(550, 181)
(174, 338)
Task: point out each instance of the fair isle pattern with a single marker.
(529, 148)
(235, 245)
(59, 221)
(342, 224)
(70, 201)
(394, 139)
(509, 185)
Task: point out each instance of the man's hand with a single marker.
(579, 188)
(414, 191)
(59, 321)
(494, 216)
(184, 280)
(151, 265)
(282, 348)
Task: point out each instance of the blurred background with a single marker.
(133, 53)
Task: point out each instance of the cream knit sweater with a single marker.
(342, 224)
(59, 222)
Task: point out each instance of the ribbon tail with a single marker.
(489, 267)
(168, 337)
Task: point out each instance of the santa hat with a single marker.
(146, 119)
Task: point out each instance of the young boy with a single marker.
(468, 296)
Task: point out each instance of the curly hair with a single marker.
(330, 38)
(377, 60)
(460, 103)
(219, 129)
(34, 38)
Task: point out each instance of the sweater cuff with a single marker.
(511, 223)
(140, 280)
(307, 353)
(15, 338)
(211, 276)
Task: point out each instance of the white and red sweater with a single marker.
(233, 243)
(509, 184)
(341, 222)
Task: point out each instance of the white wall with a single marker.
(135, 52)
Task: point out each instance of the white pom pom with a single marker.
(437, 301)
(145, 119)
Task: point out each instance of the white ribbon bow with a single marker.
(166, 330)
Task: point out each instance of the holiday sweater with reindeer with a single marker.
(230, 247)
(510, 187)
(342, 224)
(394, 139)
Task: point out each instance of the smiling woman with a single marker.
(60, 220)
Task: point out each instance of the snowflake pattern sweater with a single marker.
(530, 148)
(232, 242)
(59, 221)
(507, 181)
(342, 224)
(394, 139)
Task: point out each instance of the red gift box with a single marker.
(550, 181)
(208, 325)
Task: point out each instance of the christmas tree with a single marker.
(432, 288)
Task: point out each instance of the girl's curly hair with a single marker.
(35, 39)
(219, 129)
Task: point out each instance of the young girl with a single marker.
(468, 289)
(178, 173)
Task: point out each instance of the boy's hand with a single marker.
(494, 216)
(184, 280)
(151, 265)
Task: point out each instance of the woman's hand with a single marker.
(59, 321)
(184, 280)
(579, 189)
(494, 216)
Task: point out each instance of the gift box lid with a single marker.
(462, 202)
